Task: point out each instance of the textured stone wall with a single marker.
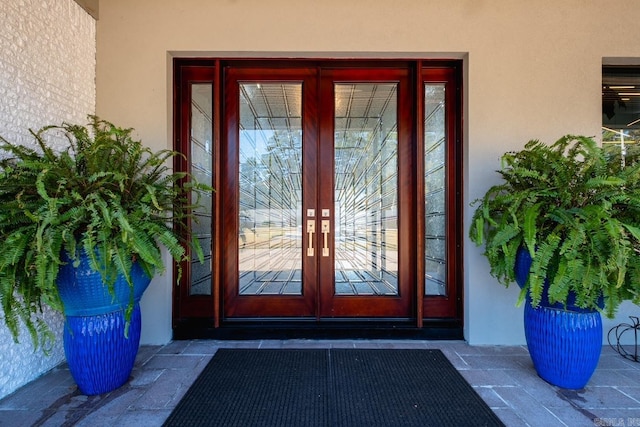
(47, 76)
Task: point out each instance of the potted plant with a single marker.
(564, 224)
(82, 231)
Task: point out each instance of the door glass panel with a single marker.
(269, 223)
(434, 184)
(366, 185)
(201, 168)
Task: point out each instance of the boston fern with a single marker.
(105, 194)
(576, 209)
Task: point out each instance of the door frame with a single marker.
(205, 313)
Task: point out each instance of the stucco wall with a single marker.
(532, 70)
(47, 76)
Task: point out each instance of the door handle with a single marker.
(326, 226)
(311, 228)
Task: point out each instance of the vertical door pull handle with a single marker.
(326, 225)
(311, 228)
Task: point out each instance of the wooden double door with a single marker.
(321, 209)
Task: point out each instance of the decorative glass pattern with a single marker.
(435, 186)
(366, 189)
(269, 222)
(201, 168)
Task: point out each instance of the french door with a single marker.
(314, 187)
(334, 190)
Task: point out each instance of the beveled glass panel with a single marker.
(366, 189)
(201, 139)
(434, 184)
(270, 176)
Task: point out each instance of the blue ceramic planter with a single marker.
(564, 345)
(99, 356)
(99, 345)
(523, 264)
(83, 293)
(564, 342)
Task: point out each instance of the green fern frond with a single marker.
(531, 218)
(578, 213)
(105, 195)
(540, 266)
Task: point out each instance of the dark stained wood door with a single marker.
(365, 193)
(269, 180)
(313, 197)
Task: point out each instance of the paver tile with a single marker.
(503, 376)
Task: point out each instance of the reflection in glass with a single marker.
(434, 184)
(269, 222)
(621, 112)
(366, 189)
(201, 168)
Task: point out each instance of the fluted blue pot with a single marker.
(564, 345)
(99, 355)
(100, 346)
(564, 342)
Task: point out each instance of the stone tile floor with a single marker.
(503, 376)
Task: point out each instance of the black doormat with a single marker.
(331, 387)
